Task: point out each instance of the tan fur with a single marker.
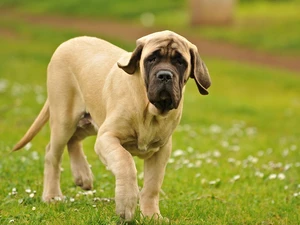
(90, 93)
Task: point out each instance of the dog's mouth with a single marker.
(163, 102)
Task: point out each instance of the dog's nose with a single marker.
(164, 75)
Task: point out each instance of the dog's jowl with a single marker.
(131, 101)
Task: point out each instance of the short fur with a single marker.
(90, 92)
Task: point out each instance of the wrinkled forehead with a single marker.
(169, 46)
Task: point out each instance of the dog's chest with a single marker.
(147, 140)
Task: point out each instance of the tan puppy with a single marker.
(131, 101)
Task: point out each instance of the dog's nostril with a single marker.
(164, 75)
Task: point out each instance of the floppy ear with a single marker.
(133, 63)
(199, 72)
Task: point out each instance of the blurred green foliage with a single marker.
(269, 25)
(108, 8)
(274, 1)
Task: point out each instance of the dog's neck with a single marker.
(151, 113)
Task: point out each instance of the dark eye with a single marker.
(152, 59)
(179, 61)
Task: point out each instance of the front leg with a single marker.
(120, 162)
(154, 171)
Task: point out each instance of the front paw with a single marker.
(126, 202)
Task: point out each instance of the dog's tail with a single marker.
(37, 125)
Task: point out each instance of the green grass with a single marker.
(264, 25)
(268, 26)
(226, 152)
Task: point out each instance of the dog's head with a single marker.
(166, 61)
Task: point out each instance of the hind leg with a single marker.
(81, 171)
(60, 134)
(66, 107)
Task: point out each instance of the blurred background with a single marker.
(220, 28)
(240, 143)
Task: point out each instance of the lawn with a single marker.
(272, 26)
(235, 154)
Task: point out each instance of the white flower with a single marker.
(203, 181)
(285, 152)
(198, 163)
(72, 199)
(231, 160)
(190, 165)
(35, 155)
(209, 160)
(13, 191)
(235, 148)
(31, 195)
(272, 176)
(260, 153)
(28, 190)
(259, 174)
(216, 154)
(287, 167)
(224, 144)
(214, 182)
(28, 146)
(88, 192)
(250, 131)
(281, 176)
(293, 147)
(171, 160)
(23, 158)
(236, 177)
(198, 175)
(141, 175)
(215, 129)
(57, 198)
(252, 159)
(3, 85)
(190, 149)
(33, 208)
(186, 161)
(178, 152)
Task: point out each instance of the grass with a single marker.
(235, 154)
(261, 25)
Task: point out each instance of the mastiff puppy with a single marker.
(131, 101)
